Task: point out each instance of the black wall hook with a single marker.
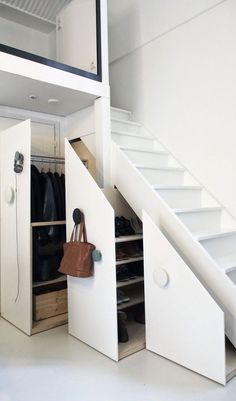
(77, 214)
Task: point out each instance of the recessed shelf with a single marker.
(50, 323)
(43, 283)
(137, 280)
(127, 238)
(135, 299)
(136, 332)
(130, 260)
(48, 223)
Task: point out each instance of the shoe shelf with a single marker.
(136, 341)
(135, 299)
(48, 223)
(129, 260)
(121, 284)
(43, 283)
(127, 238)
(49, 323)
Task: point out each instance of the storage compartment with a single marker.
(130, 289)
(48, 235)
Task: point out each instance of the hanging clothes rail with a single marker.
(47, 159)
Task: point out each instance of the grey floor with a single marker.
(53, 366)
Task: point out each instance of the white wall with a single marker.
(182, 85)
(27, 39)
(133, 23)
(46, 129)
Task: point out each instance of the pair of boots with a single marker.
(123, 336)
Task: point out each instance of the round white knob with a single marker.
(9, 194)
(161, 277)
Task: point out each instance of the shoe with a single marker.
(136, 268)
(122, 297)
(124, 274)
(133, 249)
(121, 253)
(121, 273)
(127, 228)
(123, 336)
(123, 226)
(136, 224)
(140, 318)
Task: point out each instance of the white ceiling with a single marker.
(15, 91)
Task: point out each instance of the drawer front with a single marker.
(49, 304)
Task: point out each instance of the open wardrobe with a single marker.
(34, 293)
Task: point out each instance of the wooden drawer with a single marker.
(49, 304)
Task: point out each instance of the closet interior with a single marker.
(48, 223)
(130, 285)
(33, 227)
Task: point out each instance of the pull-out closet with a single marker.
(33, 293)
(95, 303)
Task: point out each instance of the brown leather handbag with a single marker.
(77, 260)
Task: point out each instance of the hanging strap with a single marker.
(82, 230)
(74, 233)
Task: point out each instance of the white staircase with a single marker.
(199, 228)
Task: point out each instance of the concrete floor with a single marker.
(53, 366)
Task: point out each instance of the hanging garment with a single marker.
(47, 205)
(36, 196)
(63, 196)
(59, 195)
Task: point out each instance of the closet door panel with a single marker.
(183, 322)
(16, 277)
(92, 301)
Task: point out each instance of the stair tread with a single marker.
(179, 187)
(198, 210)
(227, 263)
(216, 235)
(158, 152)
(121, 110)
(159, 168)
(126, 133)
(128, 122)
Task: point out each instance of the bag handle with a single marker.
(74, 233)
(82, 230)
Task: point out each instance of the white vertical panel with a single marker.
(76, 35)
(183, 322)
(92, 301)
(17, 311)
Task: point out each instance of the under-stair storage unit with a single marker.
(97, 303)
(194, 224)
(32, 299)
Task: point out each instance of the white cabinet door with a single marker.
(76, 35)
(16, 276)
(183, 322)
(92, 301)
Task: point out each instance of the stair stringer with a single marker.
(141, 196)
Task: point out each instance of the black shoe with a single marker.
(124, 274)
(123, 336)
